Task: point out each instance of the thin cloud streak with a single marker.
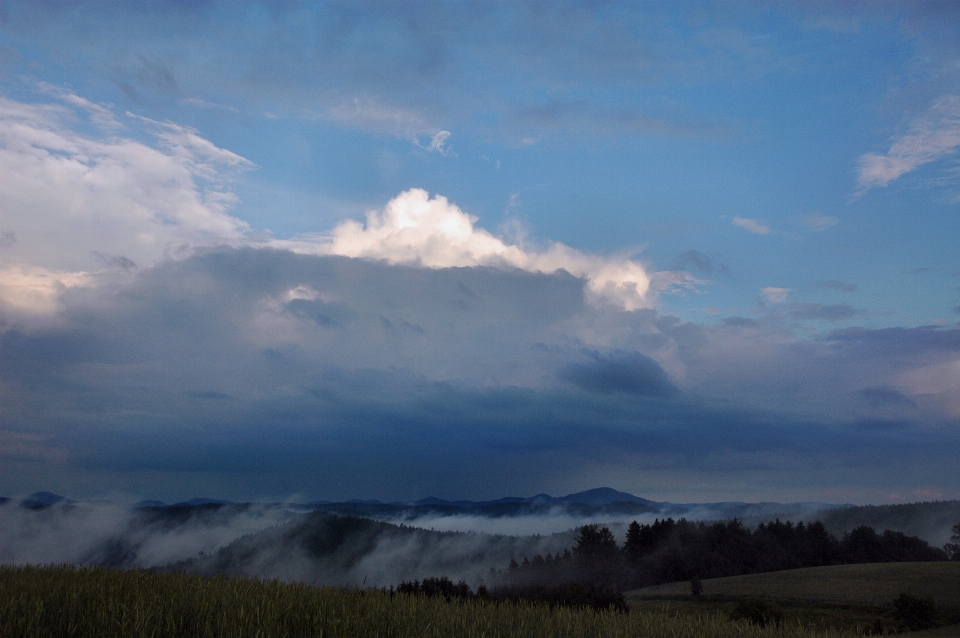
(931, 137)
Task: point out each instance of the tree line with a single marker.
(671, 550)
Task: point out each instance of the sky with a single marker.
(693, 251)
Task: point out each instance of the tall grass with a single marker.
(66, 601)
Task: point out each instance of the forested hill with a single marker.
(930, 521)
(669, 551)
(329, 549)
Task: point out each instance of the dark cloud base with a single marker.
(337, 378)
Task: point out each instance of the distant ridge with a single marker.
(928, 520)
(604, 496)
(600, 497)
(43, 499)
(149, 504)
(597, 496)
(205, 501)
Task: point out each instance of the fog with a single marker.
(277, 542)
(104, 534)
(266, 541)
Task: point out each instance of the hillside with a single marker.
(930, 521)
(866, 584)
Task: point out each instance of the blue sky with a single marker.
(330, 250)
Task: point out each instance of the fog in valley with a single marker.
(362, 545)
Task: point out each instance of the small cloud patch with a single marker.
(819, 223)
(775, 295)
(752, 225)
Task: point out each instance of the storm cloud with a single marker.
(381, 250)
(263, 369)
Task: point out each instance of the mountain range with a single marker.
(590, 503)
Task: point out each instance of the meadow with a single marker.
(863, 584)
(842, 597)
(85, 602)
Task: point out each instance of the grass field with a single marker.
(845, 597)
(54, 602)
(870, 584)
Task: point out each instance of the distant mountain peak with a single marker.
(43, 499)
(603, 496)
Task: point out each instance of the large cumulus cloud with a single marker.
(151, 342)
(261, 372)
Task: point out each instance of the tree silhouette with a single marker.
(594, 542)
(953, 548)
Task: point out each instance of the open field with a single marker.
(842, 597)
(867, 584)
(49, 602)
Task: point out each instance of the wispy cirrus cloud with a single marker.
(932, 136)
(73, 202)
(752, 225)
(819, 223)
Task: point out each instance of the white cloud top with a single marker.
(416, 229)
(931, 137)
(74, 205)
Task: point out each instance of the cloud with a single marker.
(437, 142)
(578, 115)
(123, 204)
(410, 69)
(696, 260)
(939, 381)
(752, 225)
(629, 372)
(373, 114)
(820, 222)
(91, 534)
(35, 289)
(741, 322)
(100, 115)
(931, 137)
(19, 446)
(251, 372)
(885, 396)
(73, 199)
(775, 295)
(415, 229)
(115, 261)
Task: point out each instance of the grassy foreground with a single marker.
(66, 601)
